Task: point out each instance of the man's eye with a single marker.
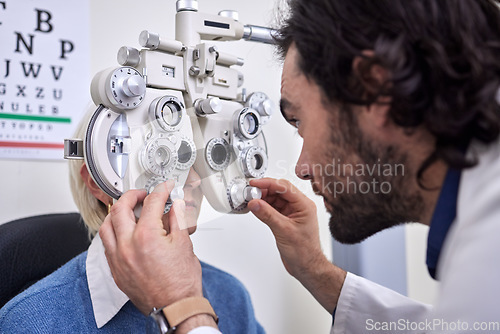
(295, 122)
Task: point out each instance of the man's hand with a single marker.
(293, 220)
(151, 267)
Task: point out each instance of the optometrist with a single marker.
(406, 82)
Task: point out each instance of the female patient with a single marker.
(82, 297)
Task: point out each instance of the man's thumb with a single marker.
(266, 213)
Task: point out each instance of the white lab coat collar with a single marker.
(107, 298)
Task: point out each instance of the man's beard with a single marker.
(355, 212)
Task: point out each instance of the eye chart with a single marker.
(44, 75)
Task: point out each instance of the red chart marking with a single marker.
(31, 145)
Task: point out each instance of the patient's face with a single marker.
(193, 197)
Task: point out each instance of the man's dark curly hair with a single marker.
(443, 57)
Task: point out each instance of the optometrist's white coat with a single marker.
(469, 270)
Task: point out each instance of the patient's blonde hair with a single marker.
(92, 210)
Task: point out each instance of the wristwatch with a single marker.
(162, 322)
(169, 317)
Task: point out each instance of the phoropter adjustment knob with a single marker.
(212, 105)
(128, 56)
(251, 193)
(149, 40)
(260, 102)
(133, 86)
(187, 5)
(232, 14)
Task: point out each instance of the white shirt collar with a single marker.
(107, 298)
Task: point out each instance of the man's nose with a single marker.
(193, 180)
(303, 168)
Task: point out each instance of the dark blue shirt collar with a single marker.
(443, 217)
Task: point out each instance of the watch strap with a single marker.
(186, 308)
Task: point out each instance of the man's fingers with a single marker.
(122, 217)
(267, 214)
(107, 234)
(281, 188)
(130, 199)
(154, 205)
(176, 218)
(276, 202)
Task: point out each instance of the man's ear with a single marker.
(93, 187)
(375, 80)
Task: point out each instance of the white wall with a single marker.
(240, 245)
(33, 187)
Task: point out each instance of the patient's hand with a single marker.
(151, 267)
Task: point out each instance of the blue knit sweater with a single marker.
(60, 303)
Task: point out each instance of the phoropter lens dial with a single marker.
(168, 112)
(248, 123)
(159, 157)
(254, 161)
(186, 154)
(218, 154)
